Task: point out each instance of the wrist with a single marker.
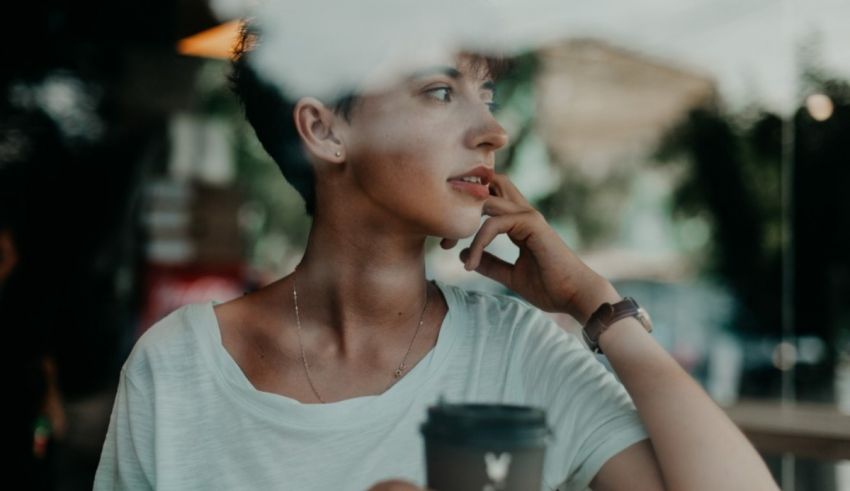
(611, 314)
(589, 299)
(626, 333)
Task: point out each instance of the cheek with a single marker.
(402, 166)
(414, 190)
(398, 154)
(400, 179)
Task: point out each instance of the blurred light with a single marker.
(69, 101)
(819, 106)
(784, 356)
(812, 350)
(217, 42)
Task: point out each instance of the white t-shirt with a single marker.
(186, 417)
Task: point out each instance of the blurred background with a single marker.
(696, 154)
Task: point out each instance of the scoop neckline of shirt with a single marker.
(347, 412)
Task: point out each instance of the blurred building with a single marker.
(602, 106)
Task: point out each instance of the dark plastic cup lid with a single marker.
(487, 424)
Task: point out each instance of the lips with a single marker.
(475, 182)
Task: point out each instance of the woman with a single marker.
(320, 380)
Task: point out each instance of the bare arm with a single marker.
(694, 445)
(635, 468)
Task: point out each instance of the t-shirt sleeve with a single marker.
(127, 458)
(589, 411)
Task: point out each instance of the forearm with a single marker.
(697, 445)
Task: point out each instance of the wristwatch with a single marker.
(609, 313)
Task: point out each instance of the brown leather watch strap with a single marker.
(609, 313)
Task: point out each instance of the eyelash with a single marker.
(493, 106)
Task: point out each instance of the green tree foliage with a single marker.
(734, 175)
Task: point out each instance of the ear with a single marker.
(319, 128)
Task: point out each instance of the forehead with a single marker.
(464, 66)
(469, 69)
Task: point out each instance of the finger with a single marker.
(489, 230)
(495, 206)
(448, 243)
(506, 189)
(495, 268)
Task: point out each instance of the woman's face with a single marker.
(408, 147)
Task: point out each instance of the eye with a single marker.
(443, 94)
(488, 97)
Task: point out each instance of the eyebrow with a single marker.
(452, 73)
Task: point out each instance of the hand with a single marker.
(547, 273)
(395, 485)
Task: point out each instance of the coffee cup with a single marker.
(485, 447)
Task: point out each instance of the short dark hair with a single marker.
(269, 111)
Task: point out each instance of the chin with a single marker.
(461, 224)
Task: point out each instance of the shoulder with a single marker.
(474, 299)
(169, 342)
(501, 311)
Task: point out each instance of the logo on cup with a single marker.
(497, 469)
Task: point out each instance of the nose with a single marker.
(486, 133)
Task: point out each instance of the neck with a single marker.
(357, 282)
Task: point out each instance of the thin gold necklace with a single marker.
(397, 373)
